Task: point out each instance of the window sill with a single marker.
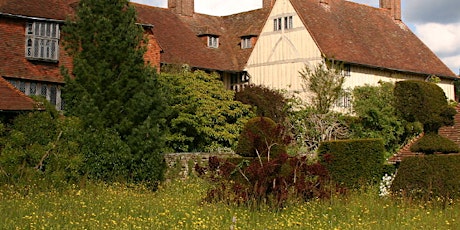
(42, 60)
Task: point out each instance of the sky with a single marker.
(435, 22)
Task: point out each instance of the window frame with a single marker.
(278, 24)
(213, 41)
(42, 41)
(288, 24)
(246, 42)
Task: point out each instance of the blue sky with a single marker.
(435, 22)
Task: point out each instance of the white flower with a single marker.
(385, 184)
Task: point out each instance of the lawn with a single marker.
(178, 205)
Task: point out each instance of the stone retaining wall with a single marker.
(182, 164)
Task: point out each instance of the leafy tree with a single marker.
(40, 145)
(324, 82)
(310, 128)
(266, 102)
(315, 122)
(204, 116)
(114, 92)
(376, 117)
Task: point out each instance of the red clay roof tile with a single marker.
(343, 30)
(11, 99)
(49, 9)
(365, 35)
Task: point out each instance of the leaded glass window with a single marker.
(42, 41)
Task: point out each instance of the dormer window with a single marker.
(246, 42)
(42, 41)
(213, 41)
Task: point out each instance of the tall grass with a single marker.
(178, 205)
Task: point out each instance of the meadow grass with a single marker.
(178, 205)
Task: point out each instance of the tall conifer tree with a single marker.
(114, 92)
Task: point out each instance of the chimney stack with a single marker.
(182, 7)
(268, 3)
(393, 7)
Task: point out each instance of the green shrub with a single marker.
(261, 137)
(432, 142)
(428, 177)
(266, 102)
(39, 146)
(424, 102)
(353, 163)
(203, 115)
(375, 117)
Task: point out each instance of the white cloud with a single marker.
(213, 7)
(444, 40)
(225, 7)
(159, 3)
(374, 3)
(441, 38)
(453, 62)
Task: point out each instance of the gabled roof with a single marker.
(11, 99)
(182, 41)
(346, 31)
(364, 35)
(48, 9)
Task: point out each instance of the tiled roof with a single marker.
(182, 41)
(343, 30)
(12, 59)
(356, 33)
(12, 99)
(49, 9)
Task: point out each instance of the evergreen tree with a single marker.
(114, 92)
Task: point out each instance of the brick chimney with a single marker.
(268, 3)
(393, 7)
(182, 7)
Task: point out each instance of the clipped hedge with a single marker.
(432, 143)
(424, 102)
(353, 163)
(429, 176)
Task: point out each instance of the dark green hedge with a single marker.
(424, 102)
(432, 143)
(428, 177)
(353, 162)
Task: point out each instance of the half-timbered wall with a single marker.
(281, 52)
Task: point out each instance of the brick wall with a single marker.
(182, 7)
(152, 55)
(12, 59)
(268, 3)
